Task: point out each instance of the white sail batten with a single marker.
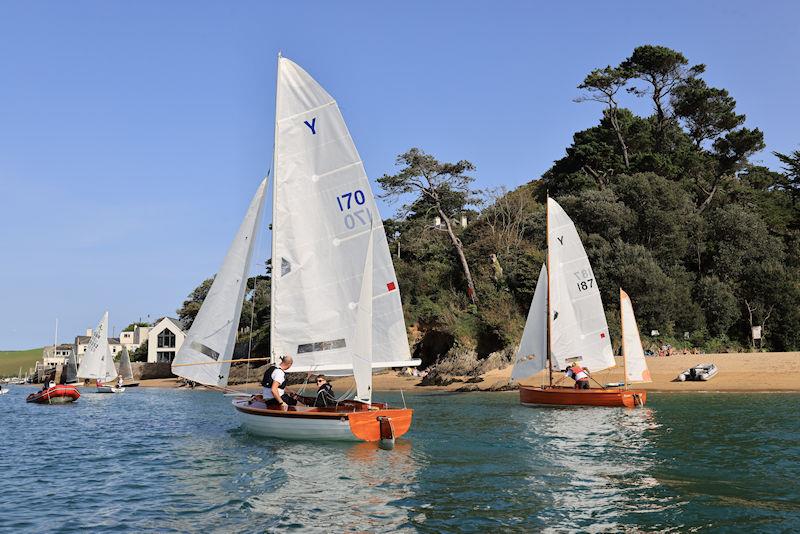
(362, 345)
(532, 352)
(635, 364)
(578, 321)
(125, 369)
(93, 364)
(212, 335)
(323, 210)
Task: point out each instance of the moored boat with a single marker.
(59, 394)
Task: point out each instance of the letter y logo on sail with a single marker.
(560, 239)
(312, 125)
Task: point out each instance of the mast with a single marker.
(275, 266)
(624, 352)
(549, 316)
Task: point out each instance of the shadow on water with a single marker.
(177, 461)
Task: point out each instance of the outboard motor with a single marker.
(387, 433)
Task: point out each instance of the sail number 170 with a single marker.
(351, 201)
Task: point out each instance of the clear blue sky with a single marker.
(133, 134)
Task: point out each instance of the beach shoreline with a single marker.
(750, 372)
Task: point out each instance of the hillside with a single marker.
(12, 360)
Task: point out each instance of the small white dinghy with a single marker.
(98, 363)
(3, 390)
(700, 372)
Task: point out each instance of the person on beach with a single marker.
(273, 384)
(325, 396)
(579, 374)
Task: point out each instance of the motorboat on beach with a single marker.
(566, 324)
(700, 372)
(60, 394)
(335, 302)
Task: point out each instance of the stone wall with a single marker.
(145, 371)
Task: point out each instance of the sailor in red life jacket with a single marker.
(579, 374)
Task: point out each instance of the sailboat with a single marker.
(335, 300)
(70, 373)
(125, 369)
(566, 324)
(97, 362)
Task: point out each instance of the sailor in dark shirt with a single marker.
(325, 396)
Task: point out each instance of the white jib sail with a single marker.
(93, 364)
(125, 368)
(323, 209)
(532, 352)
(578, 321)
(362, 338)
(212, 335)
(635, 364)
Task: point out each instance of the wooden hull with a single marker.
(564, 396)
(348, 422)
(60, 394)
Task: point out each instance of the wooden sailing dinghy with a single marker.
(335, 301)
(98, 363)
(566, 323)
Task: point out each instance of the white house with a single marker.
(132, 339)
(164, 340)
(62, 352)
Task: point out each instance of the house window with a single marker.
(166, 339)
(165, 356)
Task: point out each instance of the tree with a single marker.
(188, 311)
(602, 85)
(662, 70)
(791, 168)
(443, 188)
(131, 327)
(707, 111)
(719, 304)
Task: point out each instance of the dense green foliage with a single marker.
(668, 206)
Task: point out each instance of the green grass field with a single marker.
(12, 360)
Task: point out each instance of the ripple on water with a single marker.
(177, 461)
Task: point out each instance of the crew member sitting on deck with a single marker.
(579, 374)
(325, 396)
(273, 382)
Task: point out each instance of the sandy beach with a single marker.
(775, 371)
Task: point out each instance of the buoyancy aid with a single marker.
(267, 380)
(578, 373)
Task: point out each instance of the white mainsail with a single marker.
(125, 369)
(578, 321)
(95, 361)
(322, 212)
(635, 364)
(532, 352)
(362, 344)
(212, 335)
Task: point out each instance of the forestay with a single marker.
(532, 353)
(578, 321)
(362, 337)
(322, 212)
(212, 336)
(635, 364)
(95, 361)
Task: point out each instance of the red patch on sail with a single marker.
(602, 335)
(390, 286)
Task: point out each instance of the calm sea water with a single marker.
(176, 461)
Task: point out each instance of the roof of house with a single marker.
(82, 340)
(176, 322)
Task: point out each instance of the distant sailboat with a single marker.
(98, 363)
(566, 324)
(125, 369)
(335, 301)
(71, 370)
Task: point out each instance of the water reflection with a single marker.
(595, 464)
